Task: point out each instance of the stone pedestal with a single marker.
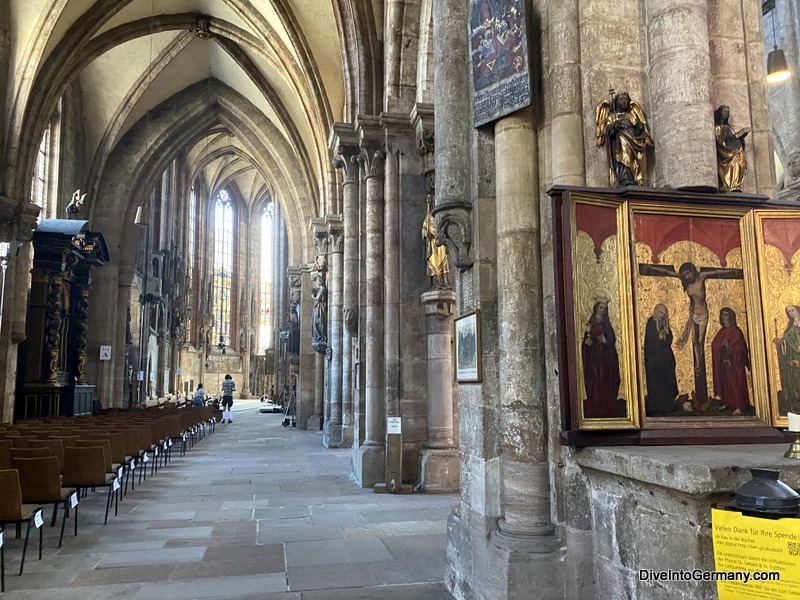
(651, 509)
(440, 469)
(369, 465)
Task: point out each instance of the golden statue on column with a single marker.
(731, 162)
(435, 256)
(621, 126)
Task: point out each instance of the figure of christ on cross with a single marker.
(694, 284)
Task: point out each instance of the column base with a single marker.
(332, 437)
(245, 394)
(369, 465)
(314, 423)
(439, 470)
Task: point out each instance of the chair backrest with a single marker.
(38, 478)
(104, 444)
(56, 447)
(84, 466)
(10, 495)
(29, 453)
(131, 437)
(5, 454)
(116, 442)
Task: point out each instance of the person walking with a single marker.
(199, 398)
(227, 398)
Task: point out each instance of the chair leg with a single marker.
(75, 517)
(55, 513)
(108, 504)
(25, 546)
(63, 521)
(41, 531)
(2, 569)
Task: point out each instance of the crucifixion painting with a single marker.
(693, 281)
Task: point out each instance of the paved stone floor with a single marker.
(254, 511)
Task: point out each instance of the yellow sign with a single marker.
(759, 558)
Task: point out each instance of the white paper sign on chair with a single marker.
(37, 519)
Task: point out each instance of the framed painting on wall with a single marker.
(778, 243)
(699, 338)
(604, 379)
(468, 348)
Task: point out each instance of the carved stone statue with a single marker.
(75, 205)
(621, 126)
(435, 255)
(351, 320)
(319, 319)
(731, 162)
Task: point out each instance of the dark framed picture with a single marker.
(468, 348)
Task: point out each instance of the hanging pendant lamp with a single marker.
(777, 67)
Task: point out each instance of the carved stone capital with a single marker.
(454, 230)
(335, 233)
(373, 161)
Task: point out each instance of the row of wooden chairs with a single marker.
(56, 460)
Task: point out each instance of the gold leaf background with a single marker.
(668, 291)
(593, 277)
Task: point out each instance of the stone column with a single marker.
(347, 154)
(567, 148)
(333, 424)
(525, 531)
(306, 380)
(391, 282)
(373, 450)
(440, 468)
(680, 112)
(453, 126)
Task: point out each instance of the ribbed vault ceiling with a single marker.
(282, 57)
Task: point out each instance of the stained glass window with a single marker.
(265, 281)
(223, 267)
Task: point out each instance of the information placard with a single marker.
(762, 556)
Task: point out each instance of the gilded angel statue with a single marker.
(621, 126)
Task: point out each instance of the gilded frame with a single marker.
(467, 340)
(599, 265)
(697, 407)
(780, 288)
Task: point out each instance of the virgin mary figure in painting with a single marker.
(600, 365)
(659, 365)
(730, 359)
(788, 347)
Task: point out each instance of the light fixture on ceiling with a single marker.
(777, 67)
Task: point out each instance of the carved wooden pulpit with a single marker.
(51, 364)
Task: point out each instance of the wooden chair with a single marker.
(29, 453)
(5, 454)
(12, 510)
(56, 447)
(85, 467)
(41, 484)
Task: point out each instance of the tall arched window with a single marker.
(223, 267)
(39, 183)
(191, 249)
(265, 280)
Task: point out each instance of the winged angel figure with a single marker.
(622, 128)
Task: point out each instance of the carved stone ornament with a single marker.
(75, 206)
(454, 231)
(348, 164)
(203, 29)
(351, 320)
(336, 237)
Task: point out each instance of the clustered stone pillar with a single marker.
(348, 163)
(373, 451)
(526, 524)
(332, 437)
(680, 112)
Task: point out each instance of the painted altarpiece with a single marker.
(677, 312)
